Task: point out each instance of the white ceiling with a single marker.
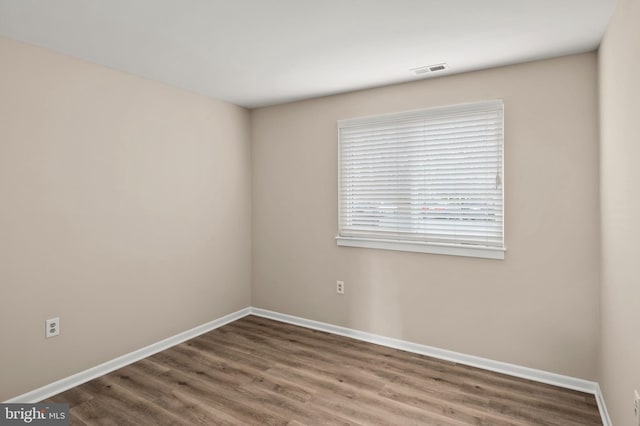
(262, 52)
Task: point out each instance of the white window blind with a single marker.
(429, 178)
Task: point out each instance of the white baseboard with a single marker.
(604, 414)
(124, 360)
(474, 361)
(542, 376)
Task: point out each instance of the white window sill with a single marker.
(420, 247)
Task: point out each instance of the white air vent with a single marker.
(428, 68)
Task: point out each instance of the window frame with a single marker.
(421, 246)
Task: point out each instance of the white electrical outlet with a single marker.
(340, 287)
(52, 327)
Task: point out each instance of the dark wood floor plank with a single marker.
(580, 411)
(73, 397)
(368, 364)
(193, 409)
(155, 390)
(219, 396)
(136, 408)
(369, 410)
(315, 360)
(333, 340)
(291, 408)
(143, 384)
(97, 413)
(256, 371)
(295, 391)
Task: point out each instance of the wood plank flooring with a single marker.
(256, 371)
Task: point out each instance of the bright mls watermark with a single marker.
(34, 414)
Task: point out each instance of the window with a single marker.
(427, 181)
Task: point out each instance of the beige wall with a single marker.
(539, 307)
(125, 210)
(619, 58)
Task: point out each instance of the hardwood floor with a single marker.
(263, 372)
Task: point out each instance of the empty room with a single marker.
(304, 212)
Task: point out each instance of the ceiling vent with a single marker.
(429, 68)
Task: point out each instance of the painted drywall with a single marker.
(619, 60)
(537, 308)
(125, 210)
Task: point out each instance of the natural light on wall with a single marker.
(428, 181)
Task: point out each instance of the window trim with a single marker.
(466, 250)
(423, 247)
